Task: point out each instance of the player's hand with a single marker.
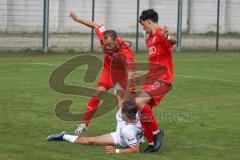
(73, 15)
(145, 35)
(165, 31)
(110, 149)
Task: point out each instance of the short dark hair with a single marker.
(129, 109)
(149, 14)
(110, 33)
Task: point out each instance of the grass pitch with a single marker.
(200, 116)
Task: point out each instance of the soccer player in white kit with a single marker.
(126, 139)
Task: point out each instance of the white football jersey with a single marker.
(126, 134)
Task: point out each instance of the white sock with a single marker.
(70, 138)
(156, 132)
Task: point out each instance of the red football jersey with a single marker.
(160, 54)
(118, 61)
(122, 48)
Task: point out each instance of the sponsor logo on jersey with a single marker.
(152, 50)
(102, 29)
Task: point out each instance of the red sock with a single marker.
(91, 109)
(147, 131)
(148, 117)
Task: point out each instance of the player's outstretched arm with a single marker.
(132, 149)
(85, 22)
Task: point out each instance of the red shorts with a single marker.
(108, 79)
(156, 90)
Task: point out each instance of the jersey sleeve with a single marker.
(99, 31)
(129, 137)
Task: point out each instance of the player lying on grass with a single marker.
(128, 135)
(112, 46)
(159, 42)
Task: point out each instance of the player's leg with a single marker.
(146, 111)
(104, 84)
(105, 139)
(147, 116)
(93, 104)
(157, 133)
(91, 108)
(62, 136)
(156, 93)
(147, 119)
(148, 134)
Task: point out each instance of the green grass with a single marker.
(206, 93)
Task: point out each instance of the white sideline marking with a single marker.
(55, 65)
(177, 75)
(206, 78)
(45, 64)
(37, 63)
(202, 59)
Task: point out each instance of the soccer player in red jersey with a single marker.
(118, 61)
(159, 77)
